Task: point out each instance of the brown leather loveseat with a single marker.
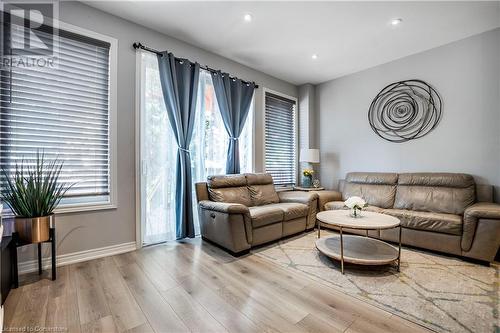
(444, 212)
(240, 211)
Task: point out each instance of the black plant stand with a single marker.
(17, 242)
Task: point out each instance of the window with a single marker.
(63, 112)
(280, 139)
(210, 140)
(208, 150)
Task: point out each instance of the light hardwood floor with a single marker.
(189, 287)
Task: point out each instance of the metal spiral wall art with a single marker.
(405, 110)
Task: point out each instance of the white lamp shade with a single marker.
(309, 155)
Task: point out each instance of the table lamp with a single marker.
(309, 156)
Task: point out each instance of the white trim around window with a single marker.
(112, 203)
(295, 99)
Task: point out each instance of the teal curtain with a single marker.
(179, 82)
(234, 98)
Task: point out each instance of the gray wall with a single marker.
(307, 99)
(307, 136)
(466, 73)
(89, 230)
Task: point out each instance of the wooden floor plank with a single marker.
(144, 328)
(126, 312)
(224, 313)
(32, 307)
(362, 325)
(125, 259)
(63, 302)
(101, 325)
(190, 286)
(92, 304)
(166, 259)
(313, 324)
(194, 316)
(257, 278)
(240, 284)
(10, 306)
(244, 302)
(158, 312)
(158, 272)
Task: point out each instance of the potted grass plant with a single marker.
(33, 191)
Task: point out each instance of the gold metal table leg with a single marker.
(399, 253)
(341, 252)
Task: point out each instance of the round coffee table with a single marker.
(355, 249)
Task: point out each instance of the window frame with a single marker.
(296, 133)
(112, 202)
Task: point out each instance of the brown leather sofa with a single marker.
(445, 212)
(240, 211)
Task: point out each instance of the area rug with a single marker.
(442, 293)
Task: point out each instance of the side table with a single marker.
(17, 242)
(324, 196)
(308, 189)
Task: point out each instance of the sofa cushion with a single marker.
(265, 215)
(259, 178)
(436, 222)
(229, 188)
(375, 178)
(222, 181)
(443, 179)
(263, 194)
(447, 193)
(376, 188)
(336, 205)
(376, 195)
(261, 189)
(291, 210)
(238, 195)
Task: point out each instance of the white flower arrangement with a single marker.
(355, 203)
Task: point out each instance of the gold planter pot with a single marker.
(34, 229)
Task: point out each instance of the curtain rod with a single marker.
(137, 45)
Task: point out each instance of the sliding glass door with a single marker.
(158, 150)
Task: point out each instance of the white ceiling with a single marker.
(347, 36)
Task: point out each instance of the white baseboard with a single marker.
(72, 258)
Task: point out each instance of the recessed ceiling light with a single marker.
(247, 18)
(314, 56)
(396, 21)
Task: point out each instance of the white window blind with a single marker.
(62, 112)
(280, 139)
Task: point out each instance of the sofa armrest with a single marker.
(307, 198)
(485, 210)
(328, 196)
(224, 207)
(472, 217)
(297, 196)
(226, 224)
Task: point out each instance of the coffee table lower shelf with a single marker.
(358, 250)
